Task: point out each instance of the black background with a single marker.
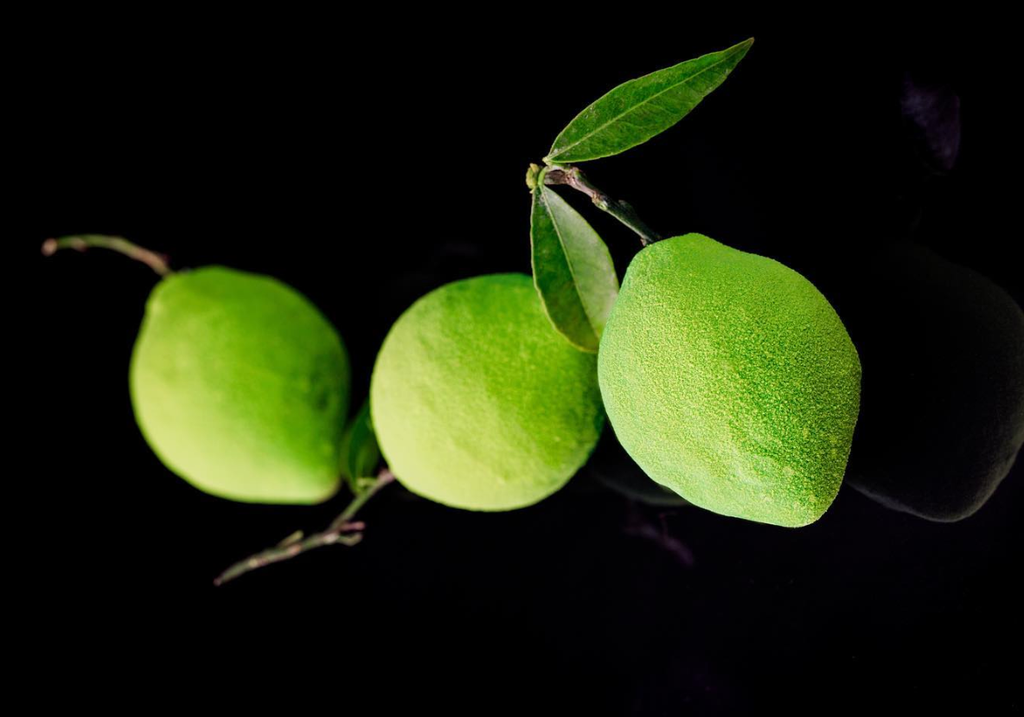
(367, 163)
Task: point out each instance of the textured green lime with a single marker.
(730, 379)
(241, 387)
(478, 402)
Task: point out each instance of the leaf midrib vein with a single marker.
(568, 263)
(641, 104)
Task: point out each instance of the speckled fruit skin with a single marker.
(731, 380)
(476, 400)
(241, 387)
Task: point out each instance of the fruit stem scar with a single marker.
(342, 530)
(623, 211)
(157, 262)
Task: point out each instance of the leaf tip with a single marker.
(743, 47)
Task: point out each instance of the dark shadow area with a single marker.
(942, 412)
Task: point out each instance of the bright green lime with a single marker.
(241, 387)
(478, 402)
(730, 379)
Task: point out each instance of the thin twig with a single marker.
(157, 262)
(342, 530)
(623, 211)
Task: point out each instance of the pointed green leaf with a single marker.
(359, 452)
(572, 270)
(637, 110)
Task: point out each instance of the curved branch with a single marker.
(623, 211)
(342, 530)
(157, 262)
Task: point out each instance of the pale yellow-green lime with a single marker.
(478, 403)
(730, 379)
(241, 386)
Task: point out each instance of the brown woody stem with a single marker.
(342, 530)
(623, 211)
(157, 262)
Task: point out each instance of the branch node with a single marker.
(623, 211)
(342, 530)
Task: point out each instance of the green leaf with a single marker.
(637, 110)
(572, 270)
(360, 454)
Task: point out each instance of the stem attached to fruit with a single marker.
(623, 211)
(156, 262)
(342, 530)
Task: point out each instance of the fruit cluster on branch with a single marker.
(727, 377)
